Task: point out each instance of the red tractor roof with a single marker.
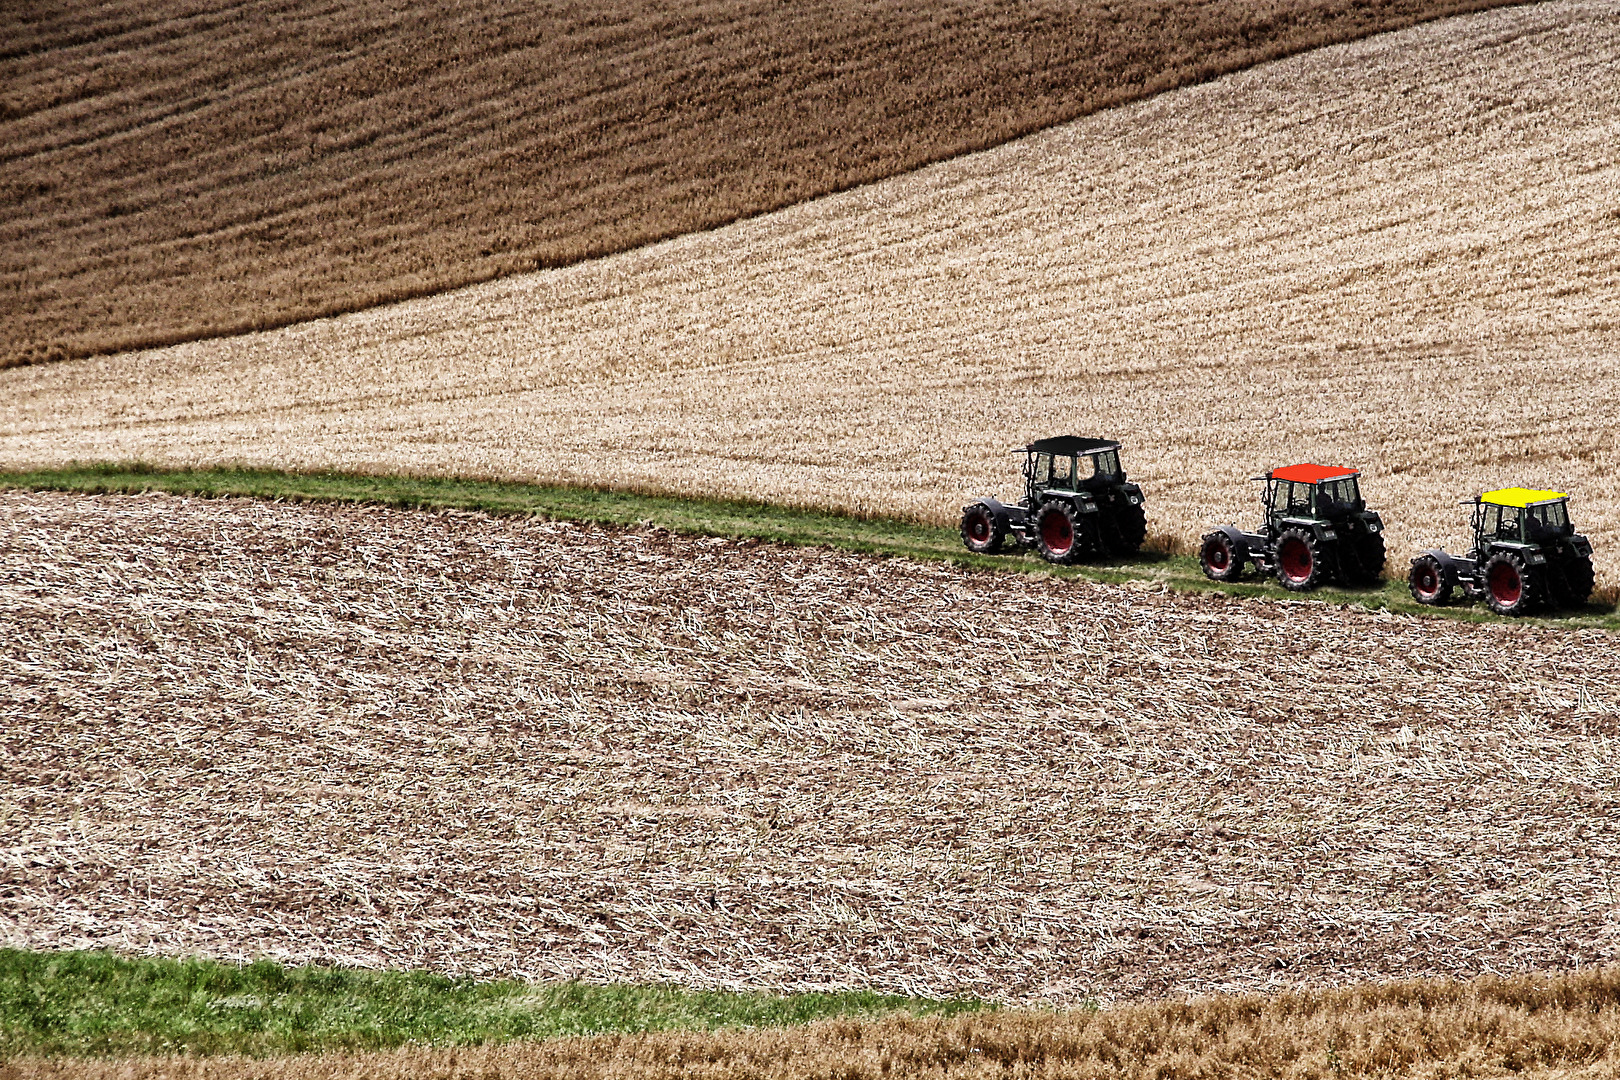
(1310, 474)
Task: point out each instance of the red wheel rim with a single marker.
(1505, 584)
(1219, 555)
(979, 526)
(1428, 580)
(1056, 532)
(1295, 559)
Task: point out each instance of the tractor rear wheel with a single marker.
(1300, 566)
(1127, 528)
(983, 532)
(1509, 587)
(1058, 532)
(1572, 582)
(1364, 559)
(1221, 559)
(1430, 582)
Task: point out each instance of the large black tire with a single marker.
(1364, 559)
(1059, 535)
(983, 531)
(1431, 581)
(1300, 565)
(1571, 582)
(1127, 528)
(1221, 559)
(1509, 586)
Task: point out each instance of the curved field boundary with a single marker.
(757, 521)
(174, 170)
(1401, 254)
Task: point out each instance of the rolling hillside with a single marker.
(184, 168)
(1402, 254)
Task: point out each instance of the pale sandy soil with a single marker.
(1402, 254)
(497, 747)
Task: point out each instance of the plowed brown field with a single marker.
(171, 169)
(1402, 254)
(499, 746)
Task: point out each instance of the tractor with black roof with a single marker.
(1317, 529)
(1526, 556)
(1077, 502)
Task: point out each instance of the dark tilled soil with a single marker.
(185, 168)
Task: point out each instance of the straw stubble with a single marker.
(506, 747)
(1401, 254)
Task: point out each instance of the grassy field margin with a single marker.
(711, 517)
(99, 1004)
(1544, 1026)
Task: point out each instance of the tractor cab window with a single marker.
(1106, 464)
(1548, 519)
(1346, 492)
(1062, 472)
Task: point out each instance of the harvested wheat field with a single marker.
(494, 746)
(1401, 254)
(1543, 1027)
(176, 169)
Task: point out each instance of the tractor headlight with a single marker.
(1134, 500)
(1374, 527)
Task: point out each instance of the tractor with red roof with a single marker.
(1317, 529)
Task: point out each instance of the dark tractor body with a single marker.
(1076, 503)
(1317, 529)
(1526, 556)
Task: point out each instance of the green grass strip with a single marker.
(714, 517)
(95, 1004)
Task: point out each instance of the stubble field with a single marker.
(1401, 254)
(185, 168)
(497, 746)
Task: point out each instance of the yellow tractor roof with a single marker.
(1520, 497)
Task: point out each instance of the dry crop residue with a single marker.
(498, 746)
(176, 169)
(1402, 254)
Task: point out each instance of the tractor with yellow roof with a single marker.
(1526, 556)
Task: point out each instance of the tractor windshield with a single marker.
(1051, 471)
(1292, 499)
(1499, 522)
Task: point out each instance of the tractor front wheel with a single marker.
(1364, 559)
(1220, 558)
(1509, 586)
(1299, 563)
(983, 532)
(1057, 532)
(1127, 529)
(1572, 582)
(1430, 582)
